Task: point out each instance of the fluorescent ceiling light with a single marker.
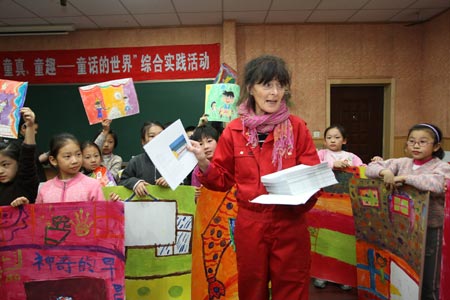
(36, 30)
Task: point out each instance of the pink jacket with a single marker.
(79, 188)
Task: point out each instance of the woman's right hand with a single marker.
(199, 153)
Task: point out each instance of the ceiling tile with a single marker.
(201, 18)
(293, 5)
(80, 22)
(431, 4)
(158, 13)
(157, 20)
(148, 6)
(247, 17)
(25, 21)
(388, 4)
(182, 6)
(9, 9)
(93, 7)
(114, 21)
(247, 5)
(332, 16)
(49, 8)
(374, 15)
(341, 4)
(415, 15)
(292, 16)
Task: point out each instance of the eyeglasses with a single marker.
(270, 86)
(420, 143)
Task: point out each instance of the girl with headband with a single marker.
(425, 171)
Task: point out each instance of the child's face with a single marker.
(209, 146)
(420, 144)
(91, 158)
(228, 99)
(68, 160)
(108, 145)
(334, 140)
(8, 168)
(151, 133)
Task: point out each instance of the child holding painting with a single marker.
(335, 139)
(107, 141)
(425, 171)
(18, 173)
(140, 170)
(69, 185)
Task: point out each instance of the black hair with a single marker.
(190, 128)
(60, 140)
(147, 125)
(435, 132)
(228, 93)
(11, 150)
(113, 134)
(86, 144)
(205, 131)
(264, 69)
(341, 131)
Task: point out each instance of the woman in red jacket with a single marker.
(272, 241)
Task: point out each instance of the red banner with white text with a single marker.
(104, 64)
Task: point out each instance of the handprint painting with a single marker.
(48, 251)
(12, 98)
(109, 100)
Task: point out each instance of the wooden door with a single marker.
(359, 109)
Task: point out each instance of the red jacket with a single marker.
(236, 163)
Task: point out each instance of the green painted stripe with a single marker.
(335, 244)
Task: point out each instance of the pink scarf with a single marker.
(278, 122)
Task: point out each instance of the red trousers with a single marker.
(273, 246)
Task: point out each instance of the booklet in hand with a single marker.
(295, 185)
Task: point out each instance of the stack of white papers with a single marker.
(295, 185)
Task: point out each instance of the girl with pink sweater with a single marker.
(69, 185)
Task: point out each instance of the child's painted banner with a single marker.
(62, 251)
(214, 268)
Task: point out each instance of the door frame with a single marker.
(388, 106)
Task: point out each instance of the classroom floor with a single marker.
(331, 292)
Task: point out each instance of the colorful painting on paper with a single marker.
(220, 101)
(49, 251)
(159, 254)
(390, 239)
(332, 230)
(109, 100)
(12, 98)
(226, 74)
(214, 270)
(445, 270)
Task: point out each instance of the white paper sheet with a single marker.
(285, 199)
(168, 152)
(295, 185)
